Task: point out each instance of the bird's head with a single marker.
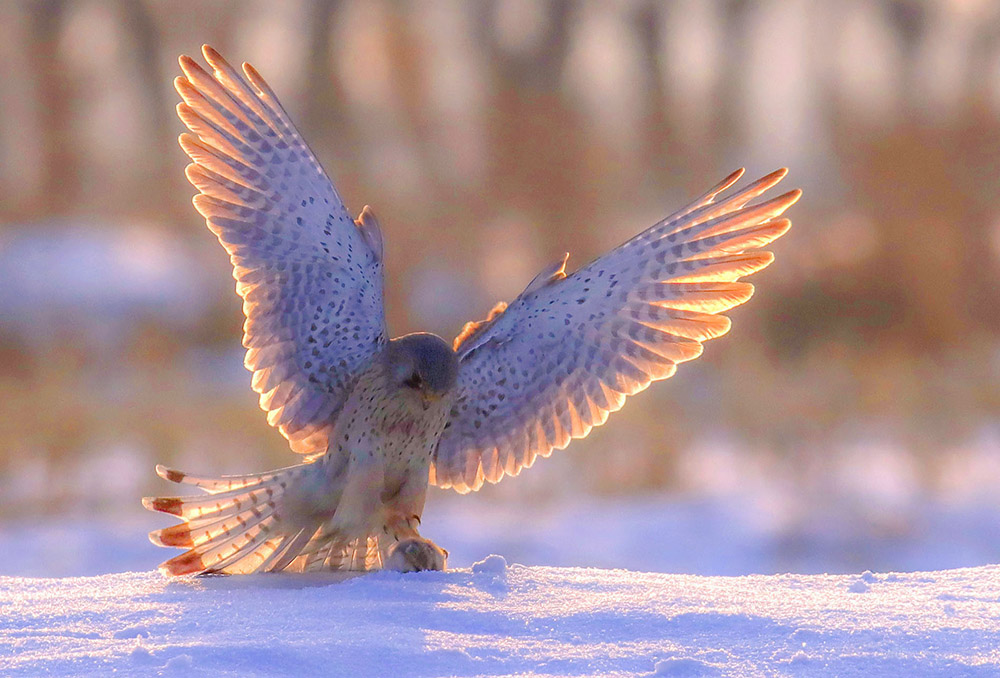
(423, 364)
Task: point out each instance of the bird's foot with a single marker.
(416, 554)
(402, 527)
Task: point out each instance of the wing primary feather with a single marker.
(726, 268)
(211, 89)
(216, 135)
(212, 158)
(210, 182)
(207, 108)
(237, 87)
(739, 241)
(710, 209)
(720, 226)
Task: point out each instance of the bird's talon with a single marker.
(416, 555)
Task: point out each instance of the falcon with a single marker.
(378, 420)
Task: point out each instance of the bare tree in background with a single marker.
(143, 30)
(58, 186)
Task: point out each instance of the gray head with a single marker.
(423, 362)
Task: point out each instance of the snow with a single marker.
(107, 271)
(573, 594)
(500, 620)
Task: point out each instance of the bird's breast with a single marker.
(403, 426)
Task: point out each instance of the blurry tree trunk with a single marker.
(732, 63)
(540, 68)
(160, 152)
(661, 146)
(536, 144)
(170, 24)
(320, 83)
(59, 184)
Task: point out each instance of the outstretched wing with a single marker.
(310, 276)
(568, 350)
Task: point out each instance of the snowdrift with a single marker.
(499, 620)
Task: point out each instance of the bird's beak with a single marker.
(429, 398)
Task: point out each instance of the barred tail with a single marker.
(236, 529)
(326, 553)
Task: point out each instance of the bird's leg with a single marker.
(401, 526)
(415, 554)
(359, 500)
(411, 552)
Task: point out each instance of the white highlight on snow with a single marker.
(504, 620)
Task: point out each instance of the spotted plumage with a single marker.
(379, 419)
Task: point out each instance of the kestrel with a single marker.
(380, 419)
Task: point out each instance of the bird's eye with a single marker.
(414, 381)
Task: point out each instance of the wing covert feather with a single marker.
(309, 275)
(566, 353)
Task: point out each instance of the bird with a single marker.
(379, 420)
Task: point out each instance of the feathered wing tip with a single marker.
(236, 529)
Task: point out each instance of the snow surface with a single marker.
(499, 620)
(559, 618)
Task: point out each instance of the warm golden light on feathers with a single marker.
(378, 419)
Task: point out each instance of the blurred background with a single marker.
(850, 421)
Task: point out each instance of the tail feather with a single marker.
(293, 550)
(241, 527)
(215, 556)
(314, 559)
(216, 485)
(280, 547)
(331, 552)
(200, 531)
(360, 555)
(216, 505)
(249, 557)
(236, 529)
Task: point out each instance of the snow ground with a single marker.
(548, 615)
(495, 620)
